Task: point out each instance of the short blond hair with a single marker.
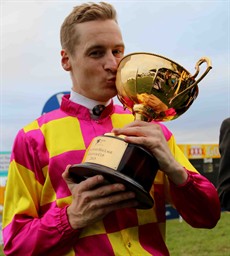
(83, 13)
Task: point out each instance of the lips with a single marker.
(112, 79)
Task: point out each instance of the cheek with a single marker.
(85, 74)
(89, 71)
(92, 72)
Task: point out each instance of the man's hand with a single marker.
(150, 136)
(92, 202)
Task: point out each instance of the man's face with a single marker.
(93, 65)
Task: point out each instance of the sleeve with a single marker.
(223, 183)
(197, 199)
(27, 231)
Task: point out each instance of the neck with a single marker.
(86, 102)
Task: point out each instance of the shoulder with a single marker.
(225, 124)
(225, 131)
(43, 120)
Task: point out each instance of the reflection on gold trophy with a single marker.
(152, 87)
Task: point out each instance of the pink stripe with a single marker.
(159, 201)
(98, 127)
(151, 240)
(54, 115)
(57, 166)
(120, 110)
(34, 159)
(122, 219)
(94, 245)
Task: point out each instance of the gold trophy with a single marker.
(152, 87)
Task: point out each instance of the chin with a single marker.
(109, 94)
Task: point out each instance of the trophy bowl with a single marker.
(152, 87)
(156, 88)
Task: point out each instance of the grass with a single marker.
(183, 240)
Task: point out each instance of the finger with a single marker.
(107, 190)
(127, 131)
(116, 198)
(125, 204)
(113, 201)
(104, 210)
(65, 174)
(90, 183)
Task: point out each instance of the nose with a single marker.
(111, 63)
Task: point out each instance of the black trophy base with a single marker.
(137, 170)
(80, 172)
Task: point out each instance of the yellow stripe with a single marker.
(48, 194)
(57, 141)
(126, 242)
(119, 120)
(179, 155)
(26, 195)
(94, 229)
(146, 216)
(162, 229)
(62, 202)
(32, 126)
(71, 253)
(159, 179)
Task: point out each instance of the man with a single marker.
(224, 169)
(46, 213)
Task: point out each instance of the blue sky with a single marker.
(183, 31)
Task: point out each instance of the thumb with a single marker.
(66, 176)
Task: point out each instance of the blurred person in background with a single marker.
(223, 184)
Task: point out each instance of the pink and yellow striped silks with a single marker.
(34, 217)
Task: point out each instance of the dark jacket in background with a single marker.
(224, 169)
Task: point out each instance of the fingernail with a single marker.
(120, 186)
(132, 195)
(100, 177)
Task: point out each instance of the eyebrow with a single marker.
(99, 46)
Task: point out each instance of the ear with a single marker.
(65, 61)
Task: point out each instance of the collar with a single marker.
(78, 110)
(86, 102)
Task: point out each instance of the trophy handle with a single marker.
(197, 67)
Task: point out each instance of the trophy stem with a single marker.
(138, 112)
(141, 117)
